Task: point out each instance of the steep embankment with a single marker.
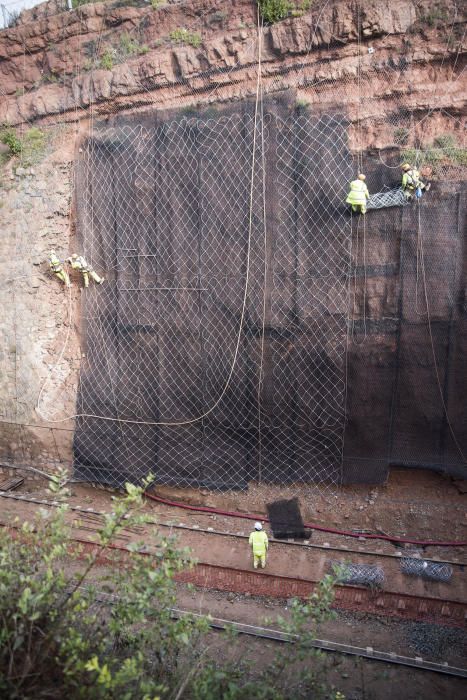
(394, 75)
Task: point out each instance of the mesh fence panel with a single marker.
(164, 208)
(209, 373)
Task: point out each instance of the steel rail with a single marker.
(274, 635)
(347, 596)
(211, 531)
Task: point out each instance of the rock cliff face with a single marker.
(111, 57)
(394, 76)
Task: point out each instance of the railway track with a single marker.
(333, 647)
(263, 583)
(343, 549)
(270, 634)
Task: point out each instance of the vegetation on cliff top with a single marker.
(275, 10)
(443, 151)
(29, 147)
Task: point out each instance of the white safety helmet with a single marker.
(258, 526)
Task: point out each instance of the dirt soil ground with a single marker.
(418, 504)
(359, 679)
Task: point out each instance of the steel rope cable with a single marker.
(434, 109)
(445, 53)
(70, 310)
(265, 253)
(360, 169)
(435, 363)
(431, 111)
(364, 279)
(355, 266)
(70, 300)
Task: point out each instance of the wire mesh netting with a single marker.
(228, 306)
(430, 570)
(357, 574)
(217, 359)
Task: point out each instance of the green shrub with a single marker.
(107, 59)
(34, 143)
(71, 628)
(448, 141)
(444, 151)
(55, 638)
(131, 47)
(274, 10)
(9, 138)
(183, 36)
(401, 136)
(302, 103)
(435, 17)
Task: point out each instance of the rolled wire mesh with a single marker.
(357, 574)
(430, 570)
(390, 198)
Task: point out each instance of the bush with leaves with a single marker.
(275, 10)
(58, 640)
(71, 628)
(8, 138)
(183, 36)
(443, 152)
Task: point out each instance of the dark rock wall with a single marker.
(148, 359)
(408, 376)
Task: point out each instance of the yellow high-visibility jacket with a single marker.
(79, 263)
(411, 179)
(259, 542)
(358, 193)
(55, 264)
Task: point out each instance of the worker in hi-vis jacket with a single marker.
(358, 194)
(259, 545)
(77, 262)
(412, 184)
(57, 268)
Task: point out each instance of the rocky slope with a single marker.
(397, 76)
(110, 56)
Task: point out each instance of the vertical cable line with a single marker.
(435, 363)
(265, 242)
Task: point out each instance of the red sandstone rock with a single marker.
(49, 55)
